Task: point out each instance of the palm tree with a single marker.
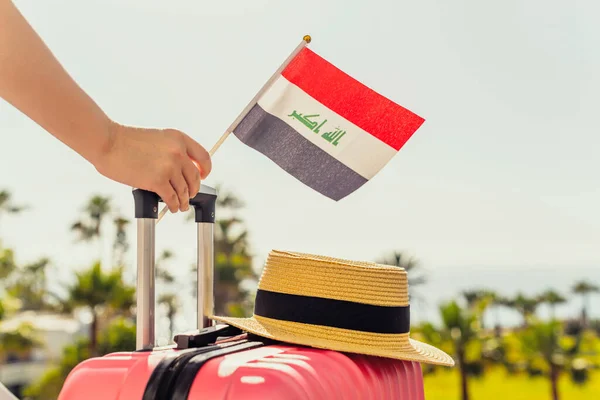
(28, 284)
(526, 306)
(88, 228)
(412, 267)
(459, 327)
(585, 289)
(171, 303)
(97, 290)
(31, 286)
(472, 297)
(496, 301)
(167, 299)
(228, 200)
(162, 272)
(120, 246)
(231, 270)
(478, 301)
(21, 341)
(226, 241)
(541, 341)
(49, 385)
(6, 204)
(233, 263)
(7, 263)
(552, 298)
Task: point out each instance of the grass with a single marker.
(497, 385)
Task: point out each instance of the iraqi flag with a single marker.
(325, 128)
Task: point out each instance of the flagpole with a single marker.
(305, 40)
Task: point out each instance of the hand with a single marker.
(167, 162)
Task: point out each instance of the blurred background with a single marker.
(492, 206)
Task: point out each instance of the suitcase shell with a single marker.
(272, 371)
(269, 372)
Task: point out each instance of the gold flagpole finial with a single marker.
(307, 38)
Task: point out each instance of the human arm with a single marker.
(167, 162)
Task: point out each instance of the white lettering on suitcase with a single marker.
(232, 362)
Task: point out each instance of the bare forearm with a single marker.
(165, 161)
(33, 81)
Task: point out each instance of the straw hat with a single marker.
(347, 306)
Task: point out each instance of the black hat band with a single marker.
(333, 313)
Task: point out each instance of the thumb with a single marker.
(199, 155)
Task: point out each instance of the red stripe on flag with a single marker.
(367, 109)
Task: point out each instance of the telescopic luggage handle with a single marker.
(146, 213)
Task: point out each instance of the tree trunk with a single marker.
(584, 312)
(554, 381)
(171, 318)
(94, 334)
(498, 327)
(464, 384)
(525, 320)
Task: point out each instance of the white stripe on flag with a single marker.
(357, 149)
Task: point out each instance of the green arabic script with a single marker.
(332, 137)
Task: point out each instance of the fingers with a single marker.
(199, 155)
(186, 164)
(192, 177)
(180, 185)
(169, 196)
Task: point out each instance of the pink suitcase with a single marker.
(219, 361)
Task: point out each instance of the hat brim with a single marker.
(396, 346)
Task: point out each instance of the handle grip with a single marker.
(146, 212)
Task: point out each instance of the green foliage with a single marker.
(88, 227)
(162, 272)
(498, 385)
(460, 324)
(525, 305)
(6, 204)
(413, 268)
(20, 341)
(49, 385)
(233, 268)
(98, 290)
(7, 263)
(119, 336)
(552, 297)
(171, 302)
(94, 287)
(120, 245)
(530, 352)
(542, 341)
(30, 286)
(233, 262)
(584, 287)
(26, 284)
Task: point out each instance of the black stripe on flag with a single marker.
(296, 155)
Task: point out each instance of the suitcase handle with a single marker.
(146, 213)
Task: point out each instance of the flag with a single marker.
(324, 127)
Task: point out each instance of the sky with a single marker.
(498, 187)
